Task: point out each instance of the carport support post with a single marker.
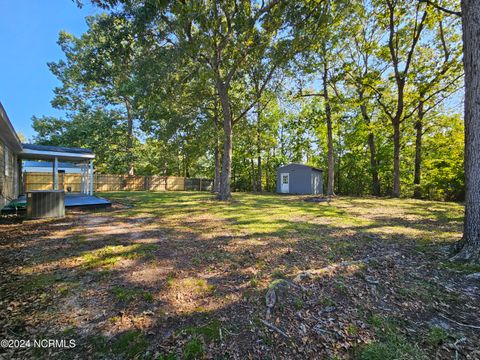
(91, 177)
(85, 178)
(81, 178)
(55, 174)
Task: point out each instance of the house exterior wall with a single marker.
(301, 179)
(8, 174)
(10, 146)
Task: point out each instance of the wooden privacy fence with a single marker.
(44, 181)
(104, 182)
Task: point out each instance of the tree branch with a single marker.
(416, 37)
(300, 94)
(441, 8)
(441, 90)
(262, 88)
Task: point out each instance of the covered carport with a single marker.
(78, 158)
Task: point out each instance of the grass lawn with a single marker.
(180, 275)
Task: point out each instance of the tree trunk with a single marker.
(374, 165)
(469, 247)
(372, 148)
(282, 143)
(225, 178)
(396, 137)
(259, 174)
(267, 172)
(396, 120)
(396, 159)
(328, 116)
(417, 191)
(253, 176)
(259, 151)
(400, 79)
(179, 171)
(339, 165)
(216, 180)
(131, 161)
(339, 162)
(184, 168)
(187, 166)
(331, 159)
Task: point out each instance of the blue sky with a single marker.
(28, 35)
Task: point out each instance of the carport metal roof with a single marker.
(47, 152)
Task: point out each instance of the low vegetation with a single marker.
(183, 276)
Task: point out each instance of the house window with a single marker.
(285, 179)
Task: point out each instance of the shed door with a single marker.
(285, 185)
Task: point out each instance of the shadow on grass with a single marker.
(181, 272)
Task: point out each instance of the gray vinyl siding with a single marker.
(317, 182)
(303, 180)
(8, 175)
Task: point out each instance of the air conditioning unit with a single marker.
(45, 203)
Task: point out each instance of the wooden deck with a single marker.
(80, 201)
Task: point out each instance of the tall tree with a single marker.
(321, 59)
(469, 246)
(362, 71)
(434, 81)
(217, 153)
(223, 37)
(328, 120)
(404, 23)
(102, 130)
(99, 69)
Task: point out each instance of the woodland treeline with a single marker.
(371, 91)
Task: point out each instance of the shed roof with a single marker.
(303, 165)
